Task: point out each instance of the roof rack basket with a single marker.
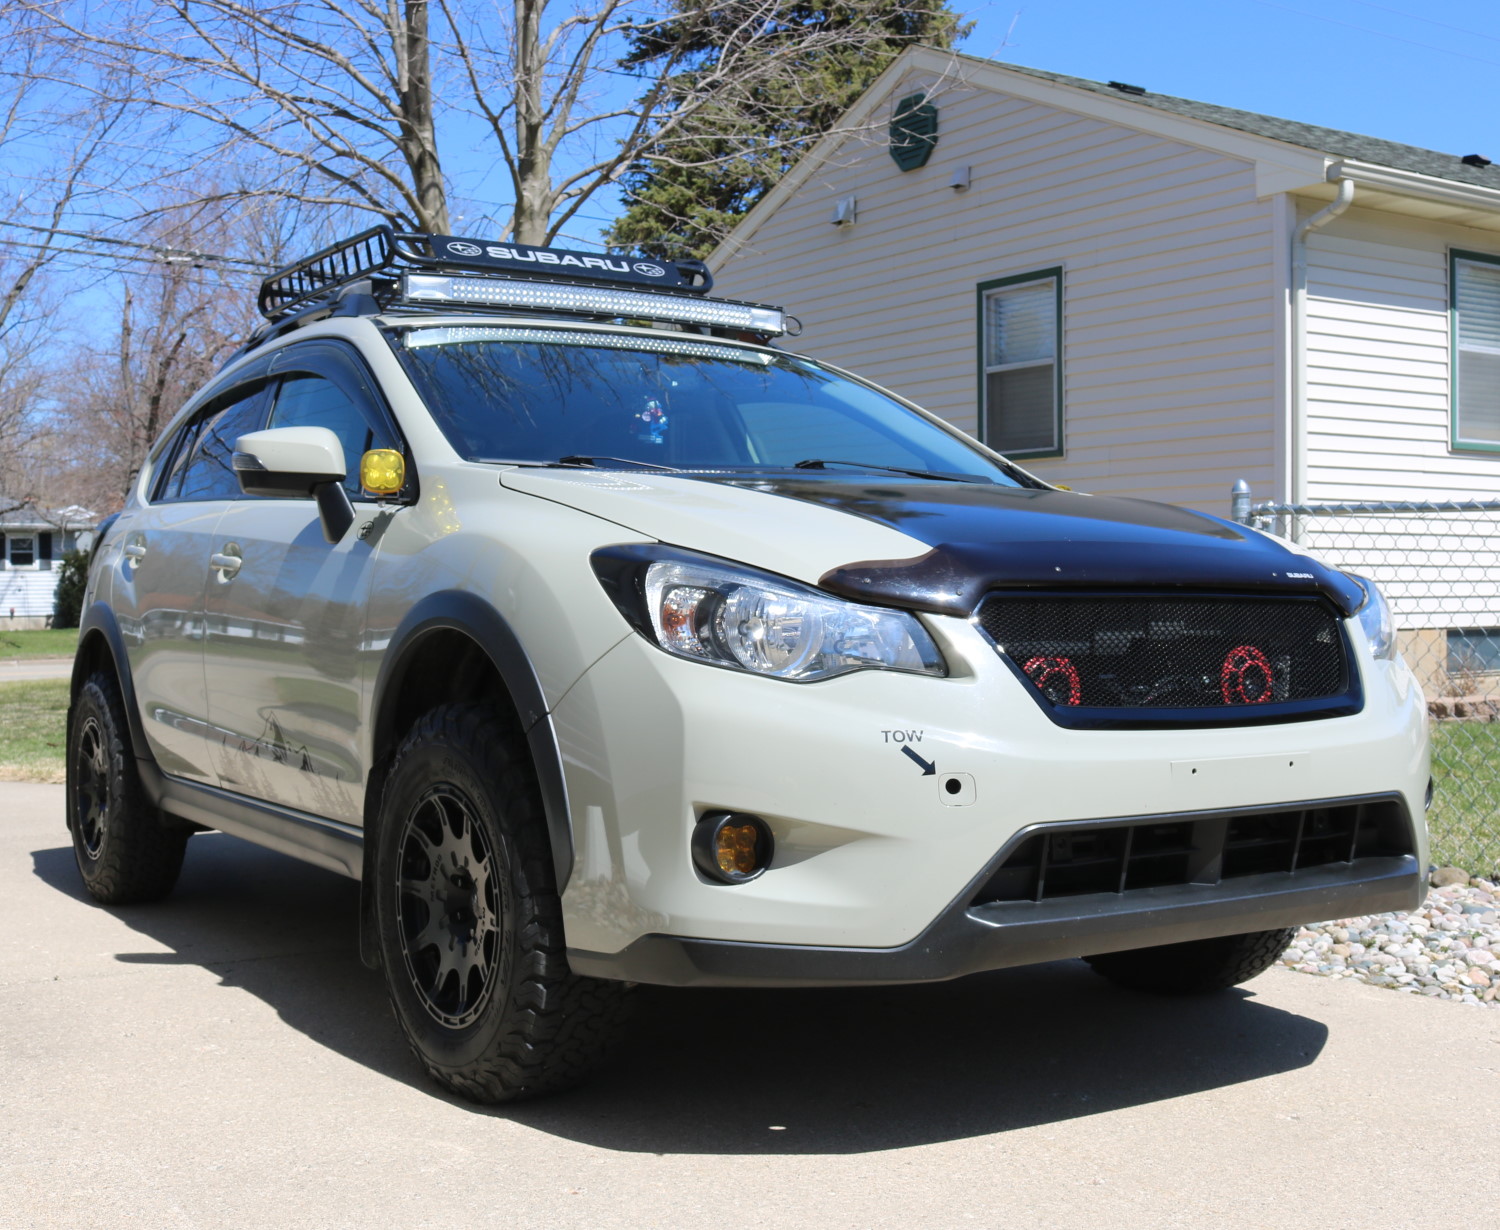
(381, 250)
(324, 272)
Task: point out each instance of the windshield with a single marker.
(557, 395)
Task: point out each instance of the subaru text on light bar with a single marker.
(397, 268)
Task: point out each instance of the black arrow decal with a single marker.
(928, 767)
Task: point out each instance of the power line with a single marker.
(1431, 21)
(112, 260)
(169, 254)
(1349, 25)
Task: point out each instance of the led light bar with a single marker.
(594, 301)
(668, 344)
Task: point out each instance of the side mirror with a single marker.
(297, 462)
(288, 461)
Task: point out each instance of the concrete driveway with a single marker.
(223, 1059)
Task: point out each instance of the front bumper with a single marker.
(876, 860)
(969, 938)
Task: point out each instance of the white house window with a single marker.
(22, 551)
(1020, 349)
(1475, 293)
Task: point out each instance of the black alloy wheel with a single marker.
(126, 850)
(447, 907)
(469, 920)
(92, 790)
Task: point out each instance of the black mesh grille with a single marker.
(1155, 653)
(1075, 861)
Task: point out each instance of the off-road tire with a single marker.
(127, 851)
(1196, 966)
(516, 1022)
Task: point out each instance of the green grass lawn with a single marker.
(42, 643)
(32, 715)
(1465, 815)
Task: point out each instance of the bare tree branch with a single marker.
(348, 101)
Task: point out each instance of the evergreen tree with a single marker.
(72, 579)
(687, 193)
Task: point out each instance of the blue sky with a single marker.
(1395, 69)
(1424, 74)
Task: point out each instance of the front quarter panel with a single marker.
(526, 558)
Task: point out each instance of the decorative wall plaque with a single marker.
(913, 132)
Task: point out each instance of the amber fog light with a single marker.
(731, 846)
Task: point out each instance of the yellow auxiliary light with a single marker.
(382, 471)
(731, 847)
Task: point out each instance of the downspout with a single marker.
(1298, 426)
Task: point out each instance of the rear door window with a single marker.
(175, 458)
(209, 473)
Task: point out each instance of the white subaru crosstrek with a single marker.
(606, 643)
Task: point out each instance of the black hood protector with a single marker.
(986, 537)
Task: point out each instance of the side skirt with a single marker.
(325, 843)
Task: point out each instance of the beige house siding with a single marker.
(1378, 389)
(1378, 363)
(1170, 286)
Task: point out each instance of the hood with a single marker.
(947, 543)
(790, 537)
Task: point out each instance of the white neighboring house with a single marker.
(1142, 295)
(32, 542)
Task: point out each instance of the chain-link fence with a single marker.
(1439, 565)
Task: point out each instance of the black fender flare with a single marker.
(99, 621)
(466, 613)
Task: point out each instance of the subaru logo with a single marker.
(647, 270)
(459, 248)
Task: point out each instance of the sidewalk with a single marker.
(13, 670)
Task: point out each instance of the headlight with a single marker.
(731, 615)
(1375, 619)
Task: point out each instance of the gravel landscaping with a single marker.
(1448, 949)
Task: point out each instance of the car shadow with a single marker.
(821, 1071)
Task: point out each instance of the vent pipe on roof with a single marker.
(1298, 426)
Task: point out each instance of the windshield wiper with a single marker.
(576, 459)
(821, 463)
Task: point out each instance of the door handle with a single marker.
(226, 562)
(135, 551)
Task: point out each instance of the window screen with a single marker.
(22, 551)
(1476, 350)
(1473, 651)
(1020, 340)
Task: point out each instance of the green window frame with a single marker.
(1025, 367)
(1474, 351)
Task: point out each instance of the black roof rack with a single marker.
(319, 275)
(381, 251)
